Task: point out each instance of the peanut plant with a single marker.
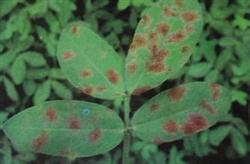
(165, 38)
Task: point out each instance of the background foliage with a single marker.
(29, 72)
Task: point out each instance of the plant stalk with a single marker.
(126, 142)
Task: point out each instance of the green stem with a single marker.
(126, 142)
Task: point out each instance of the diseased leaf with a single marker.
(163, 41)
(181, 111)
(89, 63)
(65, 128)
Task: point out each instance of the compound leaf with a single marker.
(65, 128)
(181, 111)
(90, 63)
(164, 39)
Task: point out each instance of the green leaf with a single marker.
(65, 128)
(90, 63)
(6, 59)
(216, 136)
(18, 70)
(239, 142)
(123, 4)
(34, 59)
(181, 111)
(61, 90)
(7, 6)
(29, 87)
(42, 92)
(164, 39)
(10, 89)
(199, 69)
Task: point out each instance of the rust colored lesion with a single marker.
(169, 12)
(170, 126)
(51, 114)
(68, 55)
(138, 41)
(39, 142)
(75, 30)
(205, 105)
(215, 91)
(86, 73)
(145, 20)
(189, 17)
(131, 68)
(95, 135)
(154, 106)
(87, 90)
(141, 90)
(163, 29)
(112, 76)
(177, 37)
(74, 122)
(195, 123)
(176, 94)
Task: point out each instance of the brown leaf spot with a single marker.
(95, 135)
(185, 49)
(167, 12)
(175, 94)
(170, 126)
(189, 16)
(141, 90)
(194, 123)
(75, 30)
(158, 141)
(215, 91)
(177, 37)
(68, 55)
(138, 42)
(154, 107)
(100, 89)
(132, 67)
(152, 37)
(74, 123)
(113, 76)
(86, 73)
(40, 141)
(51, 114)
(205, 105)
(163, 28)
(156, 62)
(87, 90)
(179, 3)
(145, 20)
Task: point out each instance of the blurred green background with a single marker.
(29, 73)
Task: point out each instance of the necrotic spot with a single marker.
(141, 90)
(154, 107)
(194, 123)
(170, 126)
(68, 55)
(176, 93)
(215, 91)
(87, 90)
(189, 17)
(51, 114)
(205, 105)
(138, 42)
(95, 135)
(177, 37)
(163, 28)
(86, 73)
(132, 67)
(113, 76)
(145, 20)
(75, 30)
(40, 141)
(168, 12)
(74, 122)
